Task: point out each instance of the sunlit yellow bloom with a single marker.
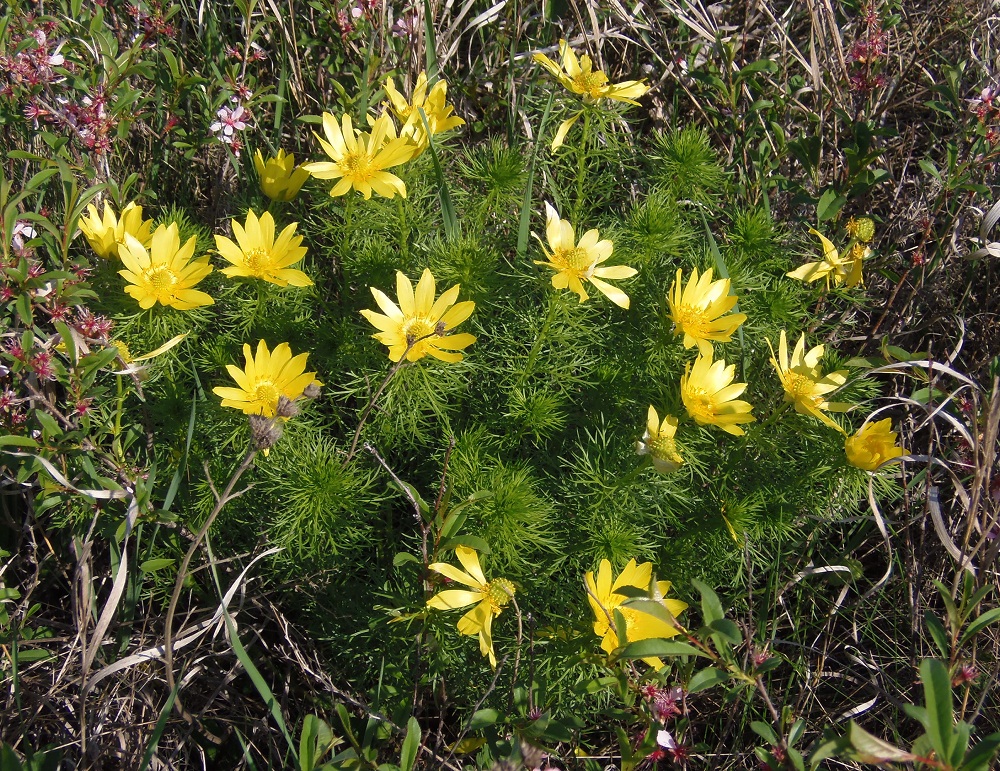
(421, 321)
(698, 310)
(490, 597)
(266, 377)
(873, 445)
(804, 384)
(842, 269)
(709, 394)
(434, 104)
(658, 442)
(280, 178)
(580, 77)
(360, 159)
(106, 234)
(576, 263)
(259, 255)
(604, 598)
(165, 274)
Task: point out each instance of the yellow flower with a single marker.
(165, 274)
(873, 445)
(266, 377)
(434, 104)
(658, 442)
(360, 161)
(804, 383)
(106, 234)
(258, 255)
(709, 394)
(576, 263)
(490, 597)
(698, 310)
(843, 270)
(580, 77)
(280, 178)
(420, 321)
(604, 599)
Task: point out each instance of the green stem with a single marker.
(348, 217)
(404, 230)
(581, 168)
(780, 410)
(537, 345)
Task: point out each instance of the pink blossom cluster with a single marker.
(31, 66)
(987, 109)
(866, 52)
(152, 23)
(348, 19)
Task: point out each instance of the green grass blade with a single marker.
(447, 207)
(430, 43)
(524, 226)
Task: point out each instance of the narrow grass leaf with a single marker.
(937, 695)
(524, 222)
(447, 208)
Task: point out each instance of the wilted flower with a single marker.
(360, 161)
(843, 270)
(165, 274)
(280, 178)
(658, 442)
(873, 445)
(698, 310)
(709, 395)
(267, 376)
(803, 382)
(604, 598)
(576, 263)
(491, 597)
(258, 255)
(418, 325)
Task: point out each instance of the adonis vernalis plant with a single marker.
(873, 445)
(267, 377)
(577, 263)
(280, 178)
(804, 384)
(257, 254)
(106, 235)
(490, 598)
(418, 326)
(359, 160)
(166, 273)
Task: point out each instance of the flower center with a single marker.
(800, 388)
(498, 592)
(664, 448)
(692, 320)
(591, 83)
(575, 259)
(161, 280)
(265, 396)
(258, 261)
(417, 327)
(357, 166)
(699, 402)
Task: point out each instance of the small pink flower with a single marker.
(230, 121)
